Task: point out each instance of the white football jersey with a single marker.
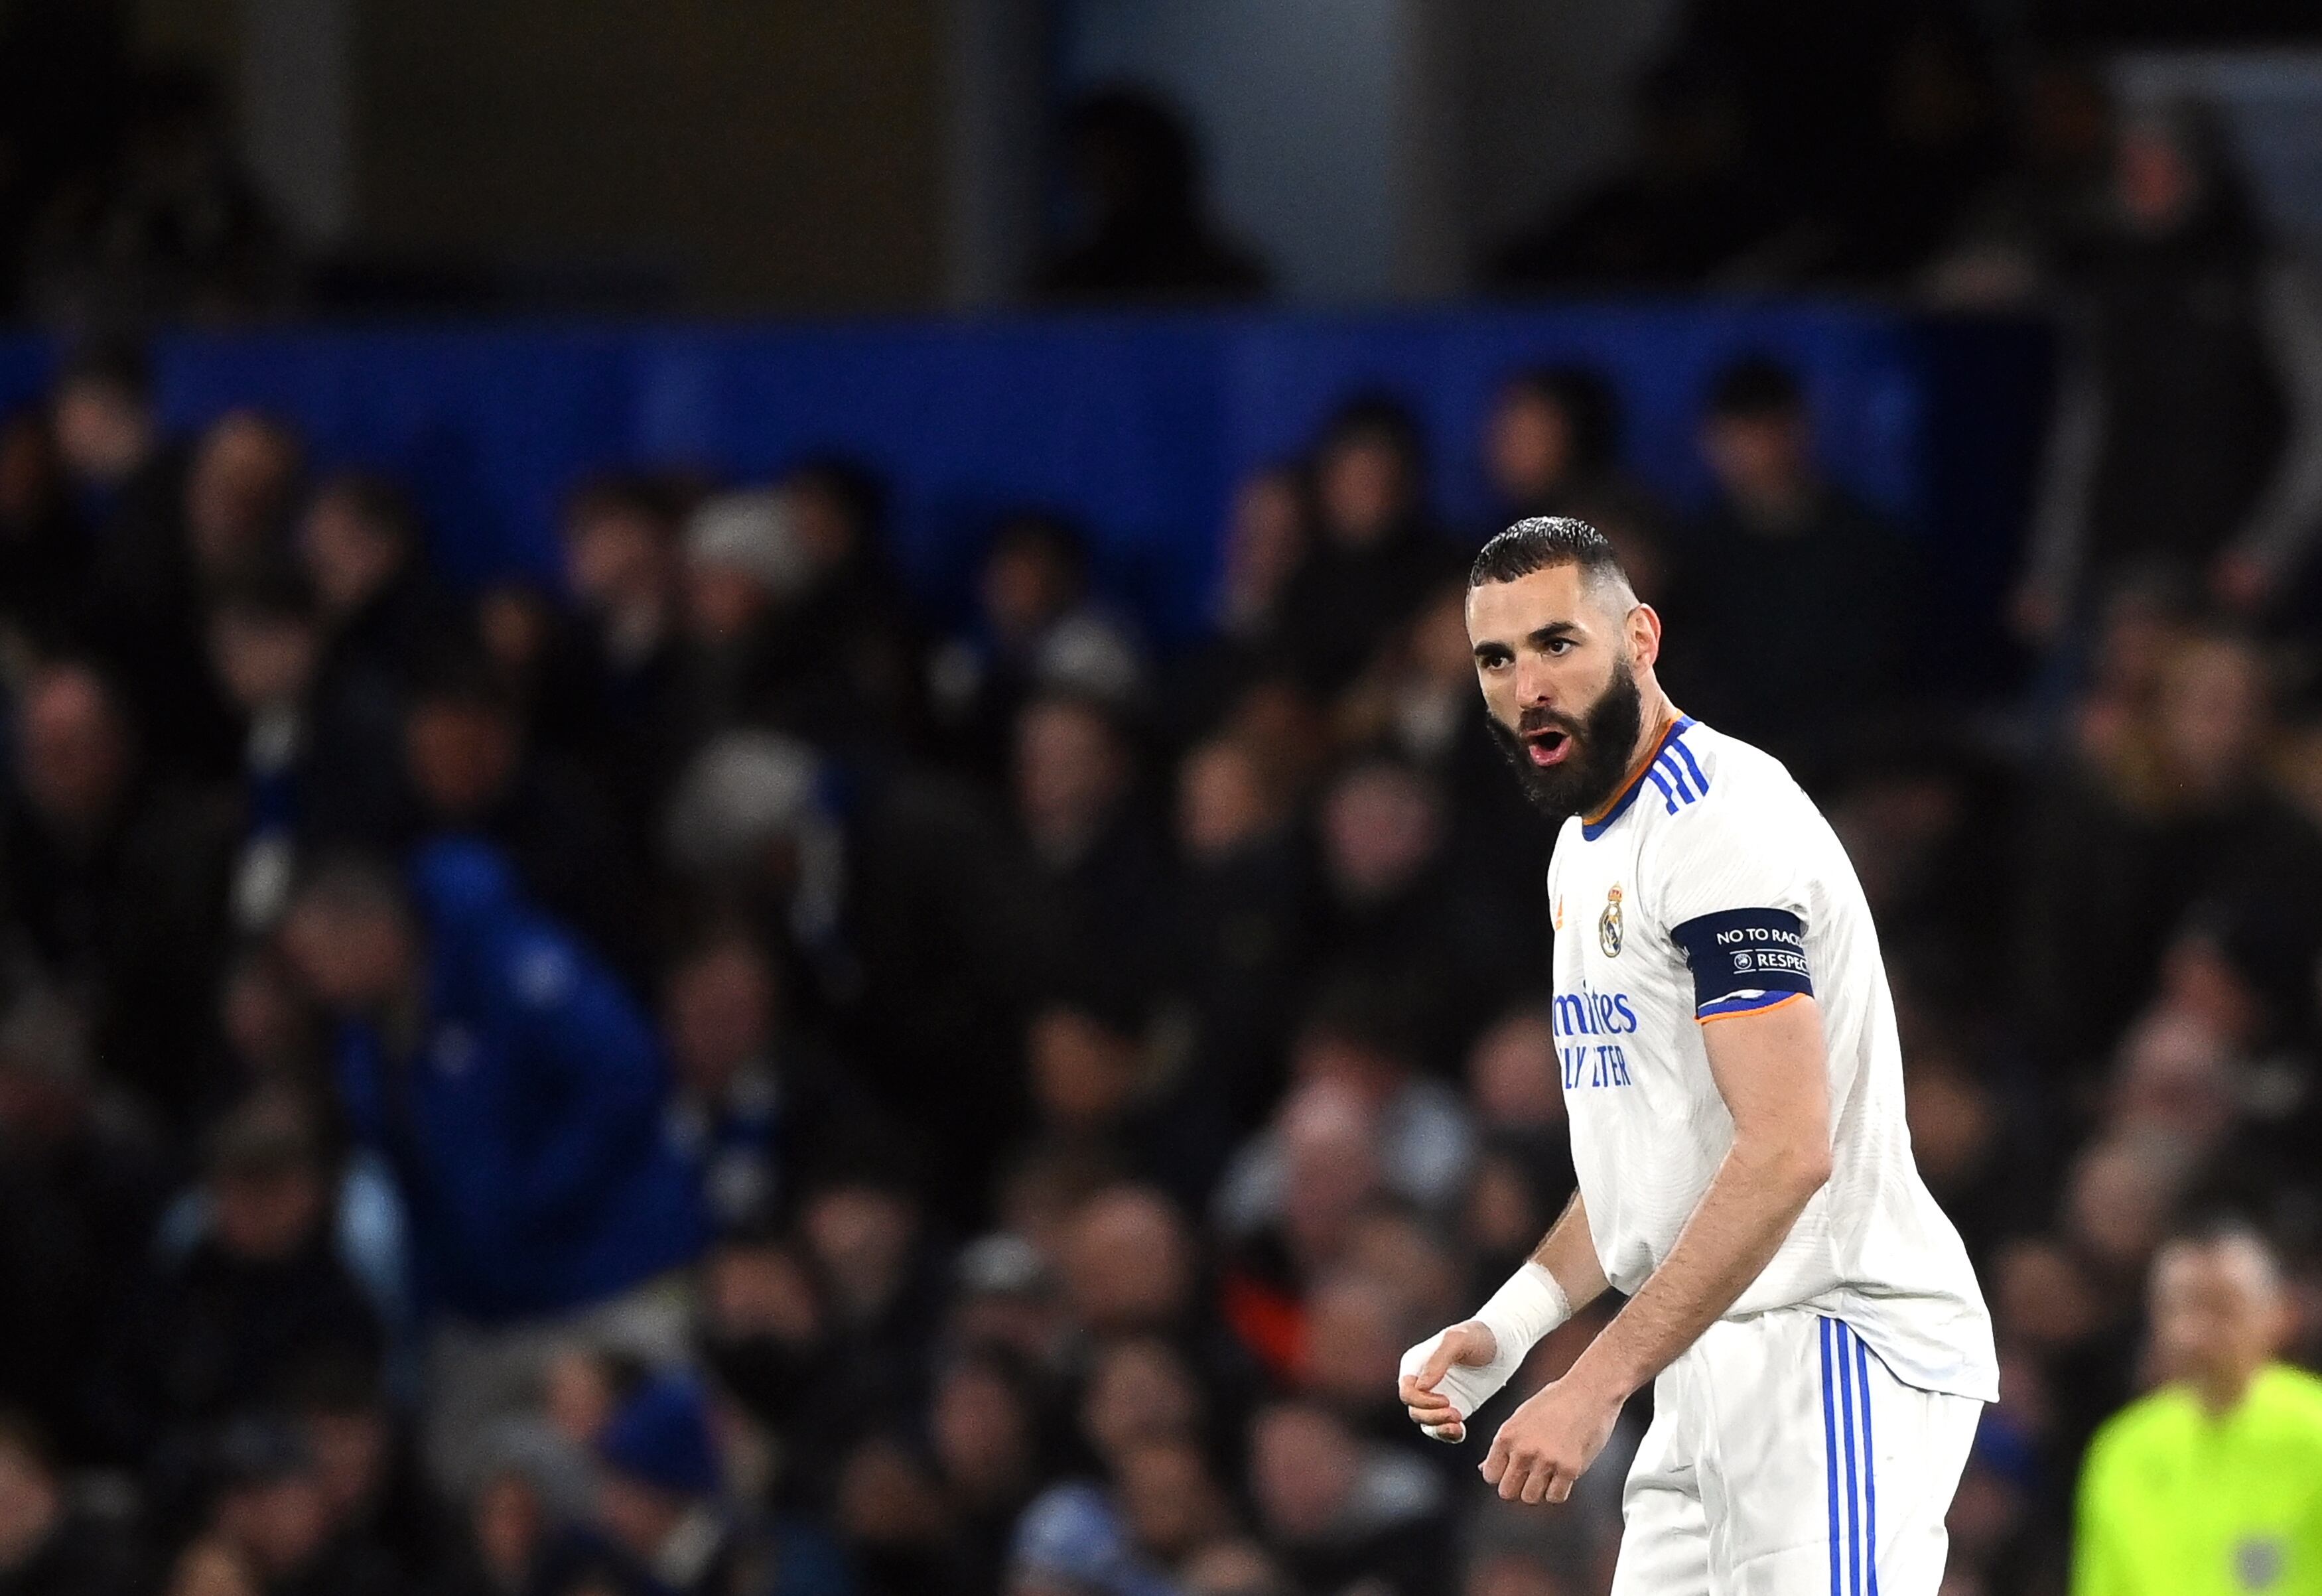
(1709, 887)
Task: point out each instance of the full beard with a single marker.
(1601, 744)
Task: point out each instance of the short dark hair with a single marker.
(1541, 543)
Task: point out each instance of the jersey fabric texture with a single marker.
(1785, 1459)
(1710, 887)
(2176, 1503)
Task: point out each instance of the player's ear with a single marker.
(1644, 629)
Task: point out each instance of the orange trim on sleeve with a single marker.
(1711, 1019)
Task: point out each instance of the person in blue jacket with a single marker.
(517, 1091)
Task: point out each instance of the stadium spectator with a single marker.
(518, 1091)
(1790, 573)
(259, 1292)
(1341, 1514)
(2189, 431)
(1143, 229)
(663, 1523)
(1375, 552)
(1039, 629)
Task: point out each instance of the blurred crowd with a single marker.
(716, 1077)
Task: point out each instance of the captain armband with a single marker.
(1744, 960)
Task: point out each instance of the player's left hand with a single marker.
(1547, 1443)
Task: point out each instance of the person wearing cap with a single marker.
(664, 1524)
(2212, 1486)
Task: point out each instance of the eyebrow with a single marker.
(1554, 632)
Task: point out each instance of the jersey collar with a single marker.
(1592, 827)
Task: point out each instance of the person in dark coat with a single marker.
(210, 1331)
(1797, 592)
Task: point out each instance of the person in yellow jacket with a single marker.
(2212, 1486)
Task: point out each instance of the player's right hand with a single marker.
(1449, 1375)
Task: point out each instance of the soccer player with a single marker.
(2212, 1484)
(1818, 1347)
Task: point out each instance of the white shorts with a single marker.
(1783, 1458)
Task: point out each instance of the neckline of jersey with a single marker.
(1592, 827)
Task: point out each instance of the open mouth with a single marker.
(1548, 746)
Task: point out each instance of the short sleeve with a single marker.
(1728, 883)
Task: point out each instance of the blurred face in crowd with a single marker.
(1354, 1338)
(1513, 1075)
(29, 1502)
(349, 555)
(1381, 825)
(350, 1448)
(31, 483)
(1440, 652)
(73, 750)
(863, 1237)
(755, 1290)
(353, 955)
(1138, 1391)
(238, 490)
(1265, 538)
(263, 658)
(1303, 1467)
(1085, 1074)
(981, 1431)
(1363, 483)
(721, 1015)
(1409, 1259)
(823, 522)
(1564, 662)
(2119, 1197)
(463, 755)
(618, 556)
(1224, 802)
(1028, 582)
(1128, 1263)
(1329, 1133)
(2219, 1313)
(280, 1524)
(507, 1523)
(2213, 720)
(267, 1213)
(1070, 770)
(2157, 181)
(1172, 1505)
(724, 598)
(1503, 1216)
(2175, 1080)
(104, 428)
(638, 1515)
(1528, 449)
(1762, 460)
(580, 1390)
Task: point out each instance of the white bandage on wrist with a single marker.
(1527, 1308)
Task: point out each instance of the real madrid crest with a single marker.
(1608, 925)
